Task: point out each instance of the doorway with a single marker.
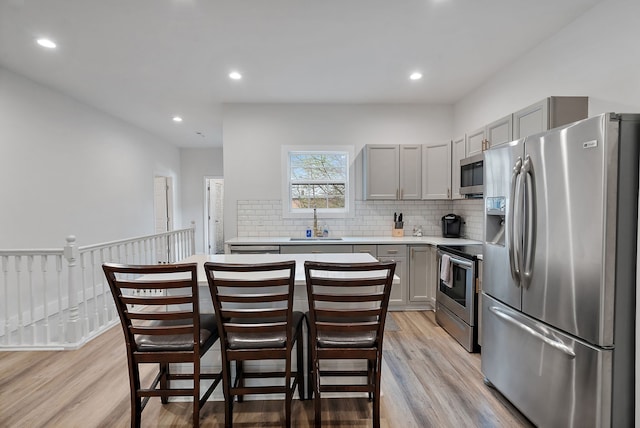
(214, 226)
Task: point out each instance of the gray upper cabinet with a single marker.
(392, 172)
(436, 171)
(499, 132)
(458, 152)
(475, 142)
(410, 172)
(381, 171)
(493, 134)
(549, 113)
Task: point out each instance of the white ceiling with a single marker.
(147, 60)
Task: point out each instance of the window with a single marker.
(316, 178)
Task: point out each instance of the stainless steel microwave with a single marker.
(471, 175)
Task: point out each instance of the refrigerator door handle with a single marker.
(514, 264)
(532, 330)
(529, 242)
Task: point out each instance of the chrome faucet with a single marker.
(316, 231)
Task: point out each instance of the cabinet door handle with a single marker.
(397, 193)
(392, 251)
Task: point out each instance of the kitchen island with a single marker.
(211, 362)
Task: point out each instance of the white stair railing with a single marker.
(59, 298)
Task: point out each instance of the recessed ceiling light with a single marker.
(177, 119)
(46, 43)
(415, 75)
(235, 75)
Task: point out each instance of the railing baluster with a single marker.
(7, 317)
(84, 303)
(96, 312)
(18, 266)
(44, 259)
(62, 327)
(32, 304)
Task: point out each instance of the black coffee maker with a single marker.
(451, 225)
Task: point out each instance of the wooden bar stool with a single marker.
(164, 328)
(253, 305)
(347, 310)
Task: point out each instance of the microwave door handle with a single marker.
(511, 229)
(529, 243)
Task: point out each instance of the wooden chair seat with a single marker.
(179, 342)
(263, 340)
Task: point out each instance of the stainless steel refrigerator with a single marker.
(558, 306)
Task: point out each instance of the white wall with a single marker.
(196, 164)
(598, 56)
(67, 168)
(254, 133)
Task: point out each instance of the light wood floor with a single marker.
(428, 381)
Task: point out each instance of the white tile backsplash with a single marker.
(263, 218)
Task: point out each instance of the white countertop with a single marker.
(300, 279)
(351, 240)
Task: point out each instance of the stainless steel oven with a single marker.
(456, 299)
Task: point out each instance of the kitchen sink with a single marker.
(315, 239)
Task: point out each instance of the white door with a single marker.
(214, 226)
(162, 211)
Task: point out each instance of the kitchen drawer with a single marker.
(315, 248)
(392, 251)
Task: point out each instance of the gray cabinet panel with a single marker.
(436, 171)
(319, 248)
(499, 132)
(422, 274)
(475, 142)
(398, 254)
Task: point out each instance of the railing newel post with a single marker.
(73, 322)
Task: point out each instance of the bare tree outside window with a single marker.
(318, 180)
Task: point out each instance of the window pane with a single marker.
(318, 166)
(330, 195)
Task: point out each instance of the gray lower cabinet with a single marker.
(398, 254)
(365, 248)
(319, 248)
(422, 275)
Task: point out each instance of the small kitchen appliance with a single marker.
(451, 226)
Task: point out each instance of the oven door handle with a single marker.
(460, 262)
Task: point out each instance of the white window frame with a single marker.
(349, 200)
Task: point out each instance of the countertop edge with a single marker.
(353, 240)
